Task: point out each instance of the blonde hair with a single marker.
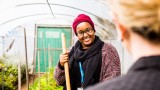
(138, 13)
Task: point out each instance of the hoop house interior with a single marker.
(17, 16)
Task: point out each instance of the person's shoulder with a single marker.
(108, 46)
(107, 85)
(125, 82)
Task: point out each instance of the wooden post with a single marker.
(2, 78)
(27, 77)
(19, 75)
(66, 68)
(39, 70)
(34, 54)
(44, 48)
(49, 58)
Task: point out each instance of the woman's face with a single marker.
(86, 34)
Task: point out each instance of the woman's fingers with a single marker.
(62, 62)
(63, 58)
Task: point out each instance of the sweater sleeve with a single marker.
(110, 63)
(59, 75)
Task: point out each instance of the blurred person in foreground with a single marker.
(138, 24)
(90, 59)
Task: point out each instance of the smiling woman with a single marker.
(86, 34)
(90, 59)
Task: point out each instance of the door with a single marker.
(49, 45)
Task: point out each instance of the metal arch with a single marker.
(100, 1)
(47, 13)
(60, 5)
(50, 8)
(31, 16)
(55, 13)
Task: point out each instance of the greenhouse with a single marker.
(31, 42)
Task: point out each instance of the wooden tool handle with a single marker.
(66, 68)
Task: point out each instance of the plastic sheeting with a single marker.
(16, 12)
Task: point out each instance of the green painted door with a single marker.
(49, 45)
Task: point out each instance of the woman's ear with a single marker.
(122, 31)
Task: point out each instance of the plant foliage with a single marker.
(9, 75)
(45, 82)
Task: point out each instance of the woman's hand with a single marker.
(64, 58)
